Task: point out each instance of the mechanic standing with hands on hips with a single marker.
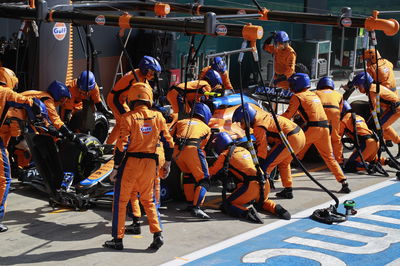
(284, 57)
(136, 163)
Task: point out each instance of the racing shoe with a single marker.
(115, 243)
(197, 212)
(345, 188)
(134, 228)
(3, 228)
(158, 241)
(398, 153)
(253, 216)
(282, 212)
(391, 164)
(286, 193)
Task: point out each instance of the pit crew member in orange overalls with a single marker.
(116, 99)
(136, 160)
(332, 101)
(83, 88)
(194, 91)
(267, 134)
(57, 94)
(241, 166)
(134, 210)
(368, 141)
(191, 136)
(385, 69)
(8, 79)
(284, 57)
(218, 64)
(389, 102)
(9, 98)
(309, 106)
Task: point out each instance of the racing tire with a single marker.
(75, 160)
(174, 183)
(101, 127)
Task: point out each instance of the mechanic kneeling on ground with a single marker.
(237, 161)
(191, 136)
(389, 102)
(271, 151)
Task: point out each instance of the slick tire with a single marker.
(175, 183)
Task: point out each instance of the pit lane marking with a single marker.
(269, 227)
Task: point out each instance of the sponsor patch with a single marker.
(59, 31)
(146, 129)
(100, 20)
(221, 30)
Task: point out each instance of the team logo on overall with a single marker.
(146, 129)
(100, 20)
(221, 30)
(59, 31)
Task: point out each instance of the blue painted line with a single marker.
(372, 237)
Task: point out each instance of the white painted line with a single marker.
(269, 227)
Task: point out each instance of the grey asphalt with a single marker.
(41, 235)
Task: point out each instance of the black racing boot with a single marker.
(398, 152)
(253, 216)
(286, 193)
(389, 143)
(391, 164)
(345, 187)
(115, 243)
(134, 228)
(3, 228)
(158, 241)
(282, 212)
(197, 212)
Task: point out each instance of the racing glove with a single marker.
(100, 107)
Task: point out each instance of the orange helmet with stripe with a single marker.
(8, 78)
(140, 91)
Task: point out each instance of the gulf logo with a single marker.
(221, 30)
(146, 129)
(59, 31)
(100, 20)
(346, 22)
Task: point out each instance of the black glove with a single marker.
(268, 41)
(51, 130)
(68, 133)
(100, 107)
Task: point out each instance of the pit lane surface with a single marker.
(40, 235)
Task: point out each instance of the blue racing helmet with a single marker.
(85, 78)
(203, 111)
(250, 112)
(281, 36)
(213, 78)
(363, 79)
(325, 82)
(149, 63)
(218, 64)
(346, 108)
(222, 141)
(58, 90)
(299, 81)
